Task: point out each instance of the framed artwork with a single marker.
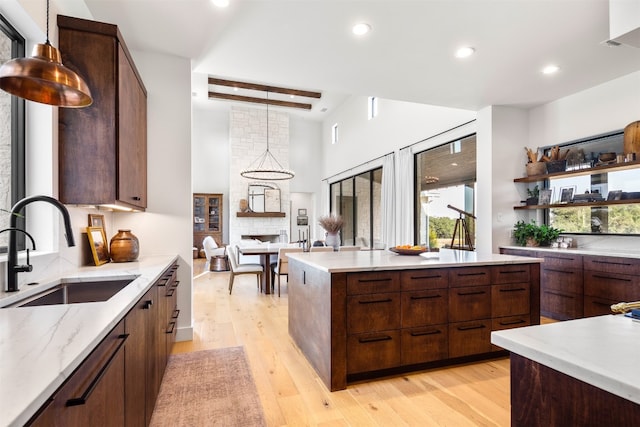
(566, 194)
(98, 244)
(303, 220)
(545, 196)
(96, 220)
(302, 212)
(614, 195)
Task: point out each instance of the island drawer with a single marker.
(420, 345)
(373, 351)
(424, 308)
(469, 276)
(510, 299)
(417, 280)
(612, 264)
(510, 274)
(560, 260)
(377, 312)
(468, 338)
(562, 280)
(374, 282)
(470, 303)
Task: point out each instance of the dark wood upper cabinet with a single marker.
(103, 147)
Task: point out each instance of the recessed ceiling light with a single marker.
(220, 3)
(361, 29)
(465, 52)
(550, 69)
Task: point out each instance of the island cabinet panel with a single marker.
(469, 338)
(374, 312)
(469, 276)
(510, 299)
(417, 280)
(422, 308)
(469, 303)
(375, 282)
(94, 394)
(426, 344)
(561, 286)
(373, 351)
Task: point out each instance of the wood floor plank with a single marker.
(291, 392)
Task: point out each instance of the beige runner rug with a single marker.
(208, 388)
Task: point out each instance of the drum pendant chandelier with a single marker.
(42, 78)
(266, 167)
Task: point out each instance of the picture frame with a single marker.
(566, 194)
(302, 212)
(545, 196)
(614, 195)
(96, 220)
(99, 245)
(302, 220)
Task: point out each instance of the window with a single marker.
(445, 176)
(334, 134)
(12, 137)
(372, 103)
(358, 200)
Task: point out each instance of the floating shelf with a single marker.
(260, 214)
(590, 171)
(580, 205)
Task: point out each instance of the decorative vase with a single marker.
(531, 242)
(536, 168)
(124, 246)
(333, 240)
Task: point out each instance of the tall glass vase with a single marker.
(333, 240)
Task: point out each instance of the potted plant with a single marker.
(332, 225)
(532, 195)
(531, 234)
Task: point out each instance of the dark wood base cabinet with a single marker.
(357, 325)
(117, 385)
(542, 397)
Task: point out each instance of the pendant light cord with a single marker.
(267, 121)
(47, 41)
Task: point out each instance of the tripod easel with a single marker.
(460, 228)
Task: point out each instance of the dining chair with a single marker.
(237, 269)
(281, 268)
(321, 249)
(349, 248)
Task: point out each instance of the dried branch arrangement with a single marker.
(331, 223)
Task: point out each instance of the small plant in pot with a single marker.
(531, 234)
(532, 195)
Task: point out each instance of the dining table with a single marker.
(264, 251)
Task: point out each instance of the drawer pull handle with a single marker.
(163, 282)
(462, 294)
(374, 280)
(432, 332)
(471, 327)
(175, 314)
(427, 297)
(512, 271)
(137, 198)
(513, 290)
(560, 257)
(172, 326)
(147, 304)
(626, 264)
(175, 284)
(512, 322)
(435, 276)
(374, 339)
(76, 401)
(375, 301)
(170, 292)
(471, 274)
(560, 294)
(611, 278)
(559, 271)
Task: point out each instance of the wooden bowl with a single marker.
(607, 157)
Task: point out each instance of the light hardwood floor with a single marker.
(293, 395)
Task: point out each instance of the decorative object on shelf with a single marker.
(555, 166)
(532, 195)
(332, 225)
(545, 196)
(96, 220)
(243, 205)
(531, 234)
(124, 246)
(631, 141)
(98, 244)
(267, 167)
(42, 78)
(566, 194)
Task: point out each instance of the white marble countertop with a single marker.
(351, 261)
(624, 253)
(41, 346)
(601, 351)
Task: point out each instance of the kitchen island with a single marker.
(580, 372)
(364, 314)
(41, 347)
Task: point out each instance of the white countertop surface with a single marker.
(602, 351)
(351, 261)
(624, 253)
(41, 346)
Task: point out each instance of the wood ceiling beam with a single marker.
(241, 98)
(264, 88)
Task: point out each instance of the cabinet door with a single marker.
(132, 128)
(94, 394)
(425, 308)
(469, 276)
(376, 312)
(137, 350)
(468, 338)
(426, 344)
(469, 303)
(152, 370)
(373, 351)
(510, 299)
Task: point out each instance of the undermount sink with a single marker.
(75, 292)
